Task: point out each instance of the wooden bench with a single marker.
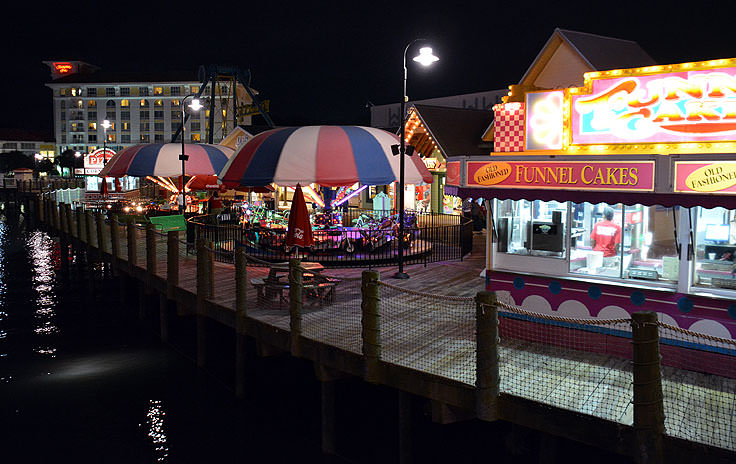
(168, 223)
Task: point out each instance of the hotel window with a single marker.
(110, 92)
(62, 92)
(176, 116)
(63, 116)
(195, 126)
(175, 103)
(158, 90)
(125, 115)
(77, 138)
(125, 138)
(175, 90)
(91, 91)
(158, 126)
(145, 127)
(145, 115)
(76, 127)
(158, 114)
(125, 126)
(92, 126)
(110, 105)
(27, 145)
(143, 91)
(76, 92)
(194, 89)
(125, 103)
(63, 137)
(62, 104)
(10, 146)
(195, 137)
(124, 91)
(158, 138)
(91, 138)
(145, 138)
(80, 104)
(158, 103)
(91, 114)
(91, 104)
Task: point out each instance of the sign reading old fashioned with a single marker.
(569, 175)
(705, 176)
(697, 105)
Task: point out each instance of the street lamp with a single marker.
(195, 105)
(425, 58)
(105, 126)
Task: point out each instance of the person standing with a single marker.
(606, 235)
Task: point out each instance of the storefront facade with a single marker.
(615, 197)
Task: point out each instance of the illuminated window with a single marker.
(92, 104)
(92, 126)
(76, 92)
(124, 103)
(195, 137)
(144, 103)
(174, 103)
(110, 92)
(92, 92)
(158, 102)
(125, 126)
(194, 89)
(158, 90)
(145, 138)
(124, 91)
(111, 137)
(80, 104)
(63, 92)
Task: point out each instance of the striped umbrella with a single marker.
(162, 159)
(331, 156)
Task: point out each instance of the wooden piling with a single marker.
(371, 325)
(487, 379)
(648, 402)
(295, 305)
(241, 311)
(172, 262)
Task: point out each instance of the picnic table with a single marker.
(316, 289)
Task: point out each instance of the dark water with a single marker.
(83, 380)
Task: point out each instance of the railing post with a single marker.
(241, 312)
(172, 262)
(295, 305)
(202, 284)
(371, 325)
(101, 248)
(151, 252)
(648, 400)
(114, 239)
(132, 243)
(486, 362)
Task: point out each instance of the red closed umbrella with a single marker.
(300, 229)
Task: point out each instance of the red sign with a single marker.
(63, 68)
(94, 159)
(705, 176)
(567, 175)
(453, 173)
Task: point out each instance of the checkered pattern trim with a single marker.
(508, 132)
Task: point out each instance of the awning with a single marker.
(629, 198)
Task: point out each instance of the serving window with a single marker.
(715, 247)
(613, 240)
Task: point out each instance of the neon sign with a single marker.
(565, 175)
(63, 68)
(544, 120)
(671, 107)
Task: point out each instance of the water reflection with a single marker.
(156, 431)
(41, 250)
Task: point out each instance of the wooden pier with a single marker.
(434, 335)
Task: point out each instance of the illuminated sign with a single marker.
(567, 175)
(698, 105)
(708, 176)
(544, 120)
(94, 160)
(63, 68)
(453, 173)
(252, 108)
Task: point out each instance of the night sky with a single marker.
(321, 64)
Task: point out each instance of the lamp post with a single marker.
(425, 58)
(105, 126)
(195, 106)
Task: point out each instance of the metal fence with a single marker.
(431, 237)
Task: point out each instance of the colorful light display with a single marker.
(544, 120)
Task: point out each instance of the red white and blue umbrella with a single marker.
(162, 159)
(331, 156)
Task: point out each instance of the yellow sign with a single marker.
(714, 177)
(492, 173)
(252, 108)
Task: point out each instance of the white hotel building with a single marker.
(142, 107)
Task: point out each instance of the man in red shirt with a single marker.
(606, 235)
